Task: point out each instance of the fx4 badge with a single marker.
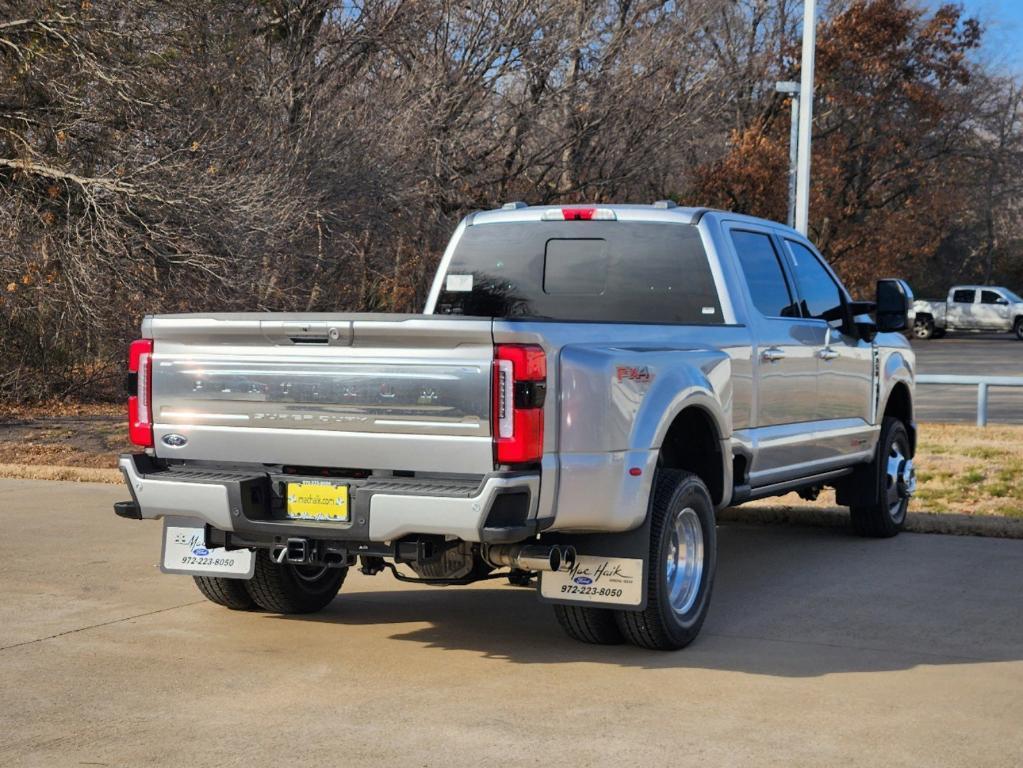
(629, 373)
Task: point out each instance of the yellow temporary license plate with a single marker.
(318, 501)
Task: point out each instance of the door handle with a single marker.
(772, 355)
(827, 354)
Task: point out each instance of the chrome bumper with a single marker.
(392, 511)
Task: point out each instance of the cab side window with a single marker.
(990, 297)
(820, 296)
(768, 287)
(963, 296)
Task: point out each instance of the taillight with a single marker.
(520, 387)
(140, 374)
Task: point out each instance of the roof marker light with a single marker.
(581, 213)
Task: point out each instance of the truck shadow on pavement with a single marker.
(793, 602)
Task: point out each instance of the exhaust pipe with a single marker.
(531, 557)
(568, 558)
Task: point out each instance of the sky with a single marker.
(1003, 36)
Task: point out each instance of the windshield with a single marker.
(1014, 298)
(611, 272)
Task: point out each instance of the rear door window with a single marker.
(768, 287)
(613, 272)
(963, 296)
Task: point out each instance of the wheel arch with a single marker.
(693, 442)
(899, 405)
(900, 402)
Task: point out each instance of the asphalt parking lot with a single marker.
(821, 649)
(973, 355)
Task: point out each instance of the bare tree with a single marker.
(164, 155)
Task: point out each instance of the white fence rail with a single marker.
(982, 383)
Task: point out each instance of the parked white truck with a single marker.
(587, 386)
(991, 308)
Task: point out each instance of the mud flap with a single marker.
(610, 570)
(186, 551)
(861, 488)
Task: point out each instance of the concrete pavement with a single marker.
(821, 649)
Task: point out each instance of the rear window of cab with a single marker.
(611, 272)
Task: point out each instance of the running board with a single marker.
(743, 493)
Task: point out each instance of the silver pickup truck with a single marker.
(586, 387)
(970, 308)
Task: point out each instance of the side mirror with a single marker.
(857, 321)
(894, 305)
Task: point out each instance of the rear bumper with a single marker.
(498, 508)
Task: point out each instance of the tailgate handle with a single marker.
(307, 332)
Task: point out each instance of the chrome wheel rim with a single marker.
(684, 566)
(900, 481)
(920, 330)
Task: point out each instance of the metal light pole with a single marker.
(805, 116)
(792, 89)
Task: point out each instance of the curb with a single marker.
(837, 517)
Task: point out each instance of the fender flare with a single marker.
(898, 371)
(697, 395)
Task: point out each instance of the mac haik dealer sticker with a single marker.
(595, 579)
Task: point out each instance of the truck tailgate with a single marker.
(406, 392)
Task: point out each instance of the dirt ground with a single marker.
(63, 442)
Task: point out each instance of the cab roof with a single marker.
(662, 211)
(512, 212)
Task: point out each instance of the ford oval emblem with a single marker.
(584, 580)
(200, 552)
(174, 440)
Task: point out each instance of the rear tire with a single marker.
(683, 558)
(284, 588)
(923, 328)
(230, 593)
(1018, 328)
(887, 515)
(589, 625)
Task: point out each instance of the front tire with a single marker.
(887, 515)
(230, 593)
(284, 588)
(1018, 328)
(923, 328)
(683, 559)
